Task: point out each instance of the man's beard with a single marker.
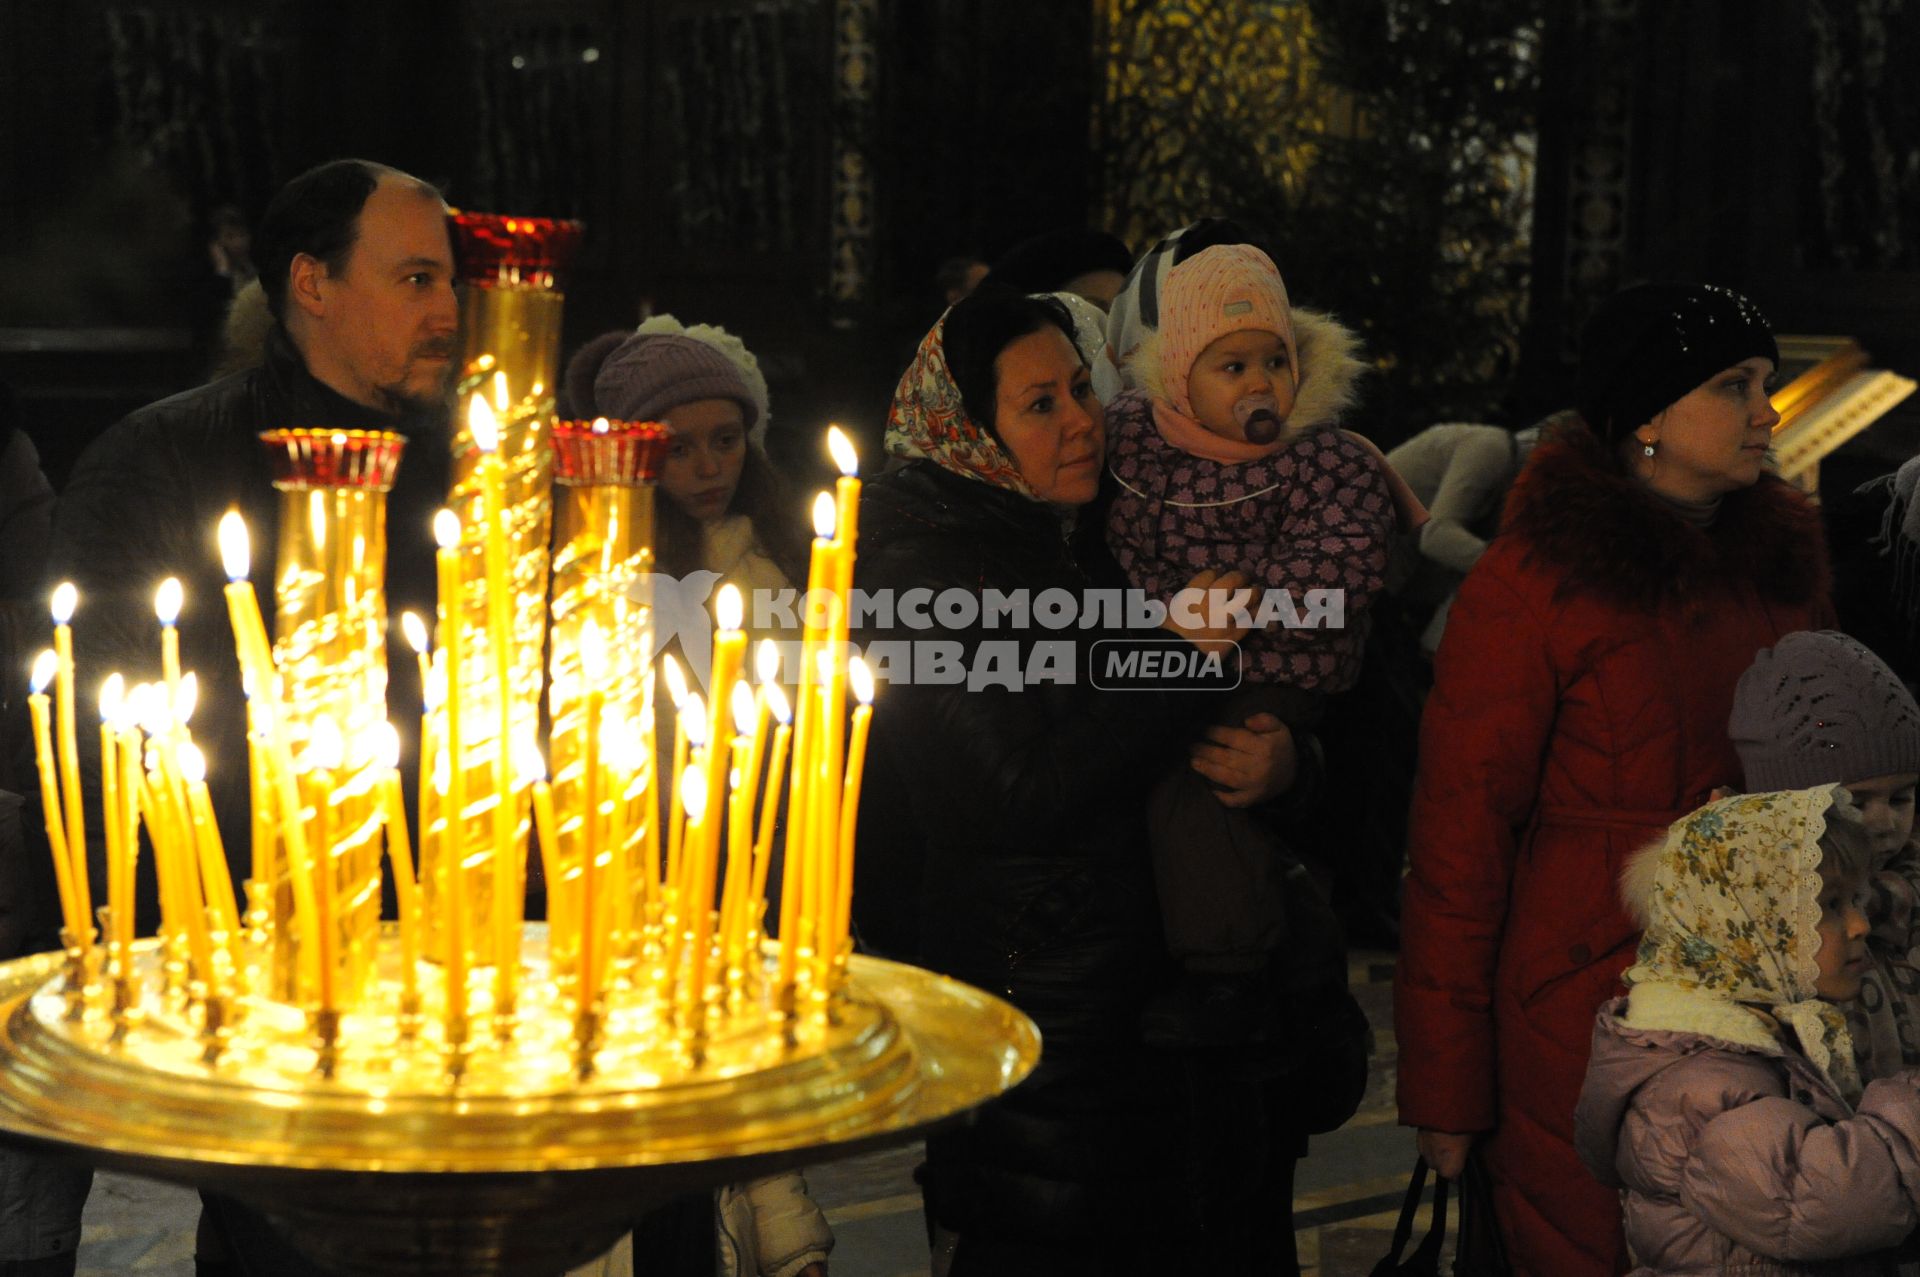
(409, 396)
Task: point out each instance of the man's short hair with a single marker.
(318, 213)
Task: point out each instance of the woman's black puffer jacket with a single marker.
(1002, 840)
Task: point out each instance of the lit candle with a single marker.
(681, 849)
(446, 533)
(797, 883)
(65, 599)
(256, 658)
(44, 668)
(485, 431)
(531, 765)
(217, 879)
(127, 728)
(862, 680)
(677, 693)
(415, 631)
(400, 854)
(846, 493)
(729, 650)
(770, 805)
(593, 667)
(326, 750)
(166, 606)
(113, 694)
(749, 722)
(694, 797)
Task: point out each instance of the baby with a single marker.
(1228, 457)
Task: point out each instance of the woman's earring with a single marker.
(1647, 448)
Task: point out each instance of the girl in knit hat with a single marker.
(726, 510)
(1818, 708)
(1720, 1095)
(1228, 456)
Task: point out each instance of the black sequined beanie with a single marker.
(1648, 345)
(1818, 708)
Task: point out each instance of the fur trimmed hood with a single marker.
(1605, 534)
(1330, 371)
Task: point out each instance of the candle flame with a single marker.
(446, 530)
(676, 681)
(481, 424)
(601, 425)
(386, 746)
(743, 708)
(728, 608)
(841, 449)
(141, 706)
(501, 399)
(693, 719)
(823, 516)
(861, 679)
(622, 744)
(823, 665)
(593, 652)
(66, 597)
(189, 697)
(415, 631)
(693, 793)
(777, 699)
(167, 600)
(529, 764)
(326, 748)
(44, 666)
(193, 764)
(766, 661)
(236, 547)
(113, 695)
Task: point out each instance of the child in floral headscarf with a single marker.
(1818, 708)
(1721, 1094)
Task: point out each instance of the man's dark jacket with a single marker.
(145, 502)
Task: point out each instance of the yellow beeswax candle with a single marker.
(393, 814)
(65, 599)
(862, 680)
(113, 695)
(44, 668)
(770, 803)
(216, 879)
(446, 533)
(485, 432)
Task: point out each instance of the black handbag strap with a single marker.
(1436, 1237)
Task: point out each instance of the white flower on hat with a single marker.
(729, 345)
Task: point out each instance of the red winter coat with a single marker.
(1579, 706)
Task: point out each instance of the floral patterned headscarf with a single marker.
(1734, 911)
(928, 420)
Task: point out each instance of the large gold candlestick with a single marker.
(513, 268)
(331, 653)
(603, 553)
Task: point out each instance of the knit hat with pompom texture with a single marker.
(1818, 708)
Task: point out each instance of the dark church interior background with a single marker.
(1460, 181)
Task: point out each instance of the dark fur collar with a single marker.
(1580, 516)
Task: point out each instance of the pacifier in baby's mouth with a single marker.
(1259, 416)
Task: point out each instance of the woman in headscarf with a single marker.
(1003, 830)
(1580, 706)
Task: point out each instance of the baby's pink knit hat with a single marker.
(1219, 290)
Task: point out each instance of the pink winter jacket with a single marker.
(1740, 1157)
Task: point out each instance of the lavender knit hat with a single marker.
(649, 374)
(1818, 708)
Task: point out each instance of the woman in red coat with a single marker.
(1580, 706)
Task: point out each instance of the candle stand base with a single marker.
(517, 1167)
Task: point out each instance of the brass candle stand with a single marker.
(648, 1038)
(521, 1168)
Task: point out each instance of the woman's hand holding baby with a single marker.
(1251, 764)
(1220, 594)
